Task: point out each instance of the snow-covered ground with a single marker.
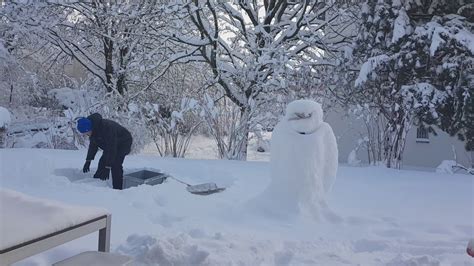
(384, 216)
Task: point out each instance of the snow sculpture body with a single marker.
(304, 159)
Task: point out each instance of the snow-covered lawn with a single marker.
(385, 217)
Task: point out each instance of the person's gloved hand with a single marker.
(103, 174)
(98, 173)
(86, 168)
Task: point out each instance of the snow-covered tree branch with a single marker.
(251, 45)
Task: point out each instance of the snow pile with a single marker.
(446, 167)
(404, 259)
(303, 162)
(148, 250)
(5, 117)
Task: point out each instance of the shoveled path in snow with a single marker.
(385, 217)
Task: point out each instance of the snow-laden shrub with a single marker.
(172, 130)
(225, 123)
(69, 98)
(5, 119)
(44, 129)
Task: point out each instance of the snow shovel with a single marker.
(201, 189)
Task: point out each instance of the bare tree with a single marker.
(112, 40)
(249, 45)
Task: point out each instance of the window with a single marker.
(422, 135)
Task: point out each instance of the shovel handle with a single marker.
(182, 182)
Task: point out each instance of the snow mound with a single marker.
(408, 260)
(446, 167)
(177, 250)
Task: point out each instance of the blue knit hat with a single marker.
(84, 125)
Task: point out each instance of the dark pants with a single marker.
(117, 168)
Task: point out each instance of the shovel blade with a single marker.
(204, 189)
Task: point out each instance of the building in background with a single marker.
(422, 149)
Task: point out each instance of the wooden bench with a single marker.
(96, 258)
(41, 234)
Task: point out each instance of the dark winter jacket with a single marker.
(109, 136)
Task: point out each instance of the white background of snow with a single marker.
(26, 209)
(5, 117)
(388, 216)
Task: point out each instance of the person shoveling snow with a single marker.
(115, 141)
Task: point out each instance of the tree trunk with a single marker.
(395, 144)
(11, 93)
(109, 67)
(121, 80)
(239, 151)
(121, 86)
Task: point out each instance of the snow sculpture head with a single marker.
(304, 116)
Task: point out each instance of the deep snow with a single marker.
(387, 217)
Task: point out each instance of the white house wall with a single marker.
(432, 153)
(349, 130)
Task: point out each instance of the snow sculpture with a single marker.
(304, 159)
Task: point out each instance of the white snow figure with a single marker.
(304, 161)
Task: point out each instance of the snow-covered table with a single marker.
(30, 225)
